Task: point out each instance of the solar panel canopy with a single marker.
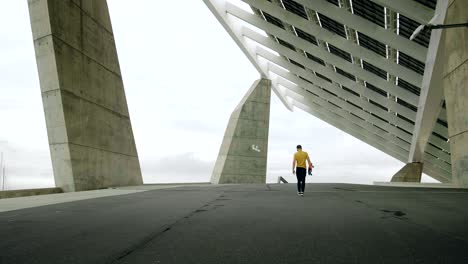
(350, 63)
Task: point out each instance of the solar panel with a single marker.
(372, 44)
(323, 77)
(406, 104)
(295, 7)
(374, 18)
(306, 36)
(376, 89)
(350, 91)
(316, 59)
(407, 120)
(332, 25)
(286, 44)
(409, 87)
(345, 74)
(442, 122)
(375, 70)
(355, 105)
(369, 10)
(411, 63)
(439, 136)
(273, 20)
(402, 129)
(407, 27)
(297, 63)
(429, 3)
(379, 117)
(340, 53)
(335, 2)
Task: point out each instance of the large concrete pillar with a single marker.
(243, 154)
(411, 172)
(456, 90)
(90, 134)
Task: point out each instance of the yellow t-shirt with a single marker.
(301, 157)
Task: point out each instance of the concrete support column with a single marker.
(411, 172)
(90, 134)
(243, 154)
(456, 90)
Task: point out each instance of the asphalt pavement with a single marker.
(332, 223)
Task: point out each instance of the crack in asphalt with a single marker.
(397, 214)
(150, 238)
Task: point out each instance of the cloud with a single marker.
(26, 167)
(185, 167)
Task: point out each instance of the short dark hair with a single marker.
(299, 147)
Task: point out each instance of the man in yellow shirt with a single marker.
(300, 168)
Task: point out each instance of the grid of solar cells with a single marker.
(379, 117)
(306, 36)
(439, 136)
(429, 3)
(335, 2)
(297, 64)
(375, 70)
(339, 52)
(273, 20)
(409, 87)
(316, 59)
(406, 104)
(345, 74)
(375, 14)
(332, 25)
(372, 44)
(376, 89)
(402, 129)
(323, 77)
(411, 63)
(286, 44)
(305, 80)
(407, 27)
(442, 122)
(295, 7)
(369, 10)
(355, 105)
(351, 91)
(407, 120)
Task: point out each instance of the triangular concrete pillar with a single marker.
(411, 172)
(243, 154)
(90, 134)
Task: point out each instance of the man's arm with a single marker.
(294, 165)
(310, 163)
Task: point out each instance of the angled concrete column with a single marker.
(90, 134)
(243, 154)
(456, 90)
(411, 172)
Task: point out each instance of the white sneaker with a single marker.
(302, 194)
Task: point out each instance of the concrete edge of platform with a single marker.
(157, 186)
(23, 202)
(417, 185)
(28, 192)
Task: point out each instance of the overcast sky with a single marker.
(183, 76)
